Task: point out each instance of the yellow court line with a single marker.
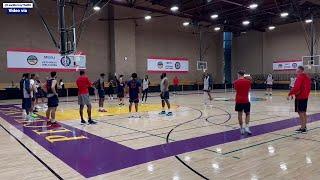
(73, 114)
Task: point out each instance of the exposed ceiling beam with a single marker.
(244, 6)
(183, 15)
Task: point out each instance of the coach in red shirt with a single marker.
(175, 84)
(242, 87)
(84, 84)
(301, 91)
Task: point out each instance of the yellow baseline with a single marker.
(66, 114)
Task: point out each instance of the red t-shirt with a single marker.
(302, 87)
(83, 84)
(242, 87)
(175, 81)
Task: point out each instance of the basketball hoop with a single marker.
(78, 62)
(202, 66)
(311, 61)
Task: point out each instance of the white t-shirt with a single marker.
(206, 83)
(32, 87)
(162, 87)
(292, 81)
(269, 80)
(145, 84)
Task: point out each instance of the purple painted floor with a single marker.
(95, 155)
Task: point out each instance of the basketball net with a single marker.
(309, 66)
(204, 70)
(77, 68)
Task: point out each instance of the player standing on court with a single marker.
(100, 87)
(175, 84)
(21, 84)
(292, 81)
(84, 84)
(145, 88)
(33, 94)
(134, 88)
(242, 87)
(39, 94)
(301, 91)
(120, 89)
(52, 95)
(164, 88)
(269, 83)
(206, 87)
(26, 96)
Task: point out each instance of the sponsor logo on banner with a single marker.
(294, 65)
(32, 60)
(49, 57)
(160, 64)
(65, 61)
(286, 65)
(176, 65)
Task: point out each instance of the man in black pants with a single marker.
(25, 89)
(120, 89)
(101, 92)
(145, 88)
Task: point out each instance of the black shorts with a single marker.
(301, 105)
(134, 100)
(243, 107)
(101, 93)
(120, 94)
(26, 103)
(269, 85)
(110, 91)
(165, 95)
(39, 94)
(53, 101)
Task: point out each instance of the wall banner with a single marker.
(173, 65)
(26, 60)
(286, 65)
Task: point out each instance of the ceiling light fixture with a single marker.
(96, 8)
(148, 17)
(284, 14)
(186, 23)
(253, 6)
(245, 23)
(214, 16)
(217, 29)
(308, 21)
(271, 28)
(174, 8)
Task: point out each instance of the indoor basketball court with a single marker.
(159, 89)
